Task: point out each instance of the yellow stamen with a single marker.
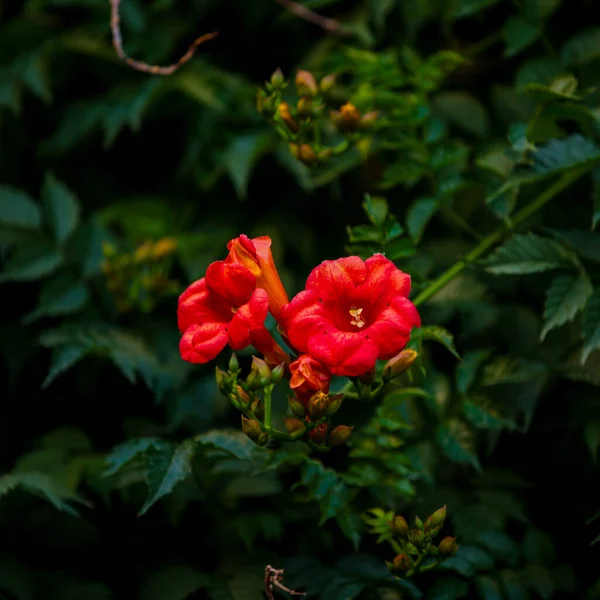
(357, 319)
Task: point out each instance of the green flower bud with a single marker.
(438, 517)
(258, 409)
(399, 363)
(419, 524)
(277, 373)
(401, 563)
(416, 537)
(447, 547)
(298, 409)
(339, 435)
(399, 526)
(327, 83)
(317, 405)
(333, 405)
(251, 428)
(234, 365)
(295, 427)
(306, 84)
(278, 79)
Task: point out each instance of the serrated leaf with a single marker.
(527, 253)
(566, 296)
(173, 583)
(376, 209)
(591, 326)
(466, 371)
(582, 48)
(232, 443)
(585, 243)
(418, 216)
(519, 33)
(18, 209)
(448, 588)
(483, 417)
(63, 358)
(61, 206)
(487, 588)
(560, 154)
(441, 335)
(60, 296)
(454, 448)
(165, 468)
(124, 453)
(29, 263)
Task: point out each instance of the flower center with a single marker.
(357, 320)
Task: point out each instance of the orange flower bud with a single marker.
(283, 110)
(255, 254)
(318, 434)
(399, 526)
(350, 116)
(401, 563)
(340, 435)
(317, 405)
(399, 363)
(306, 84)
(295, 427)
(306, 154)
(447, 547)
(308, 376)
(251, 428)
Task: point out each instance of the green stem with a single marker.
(416, 565)
(267, 402)
(497, 235)
(396, 547)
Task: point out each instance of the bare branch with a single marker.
(274, 578)
(330, 25)
(142, 66)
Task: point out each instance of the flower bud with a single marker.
(318, 434)
(242, 396)
(447, 547)
(294, 150)
(399, 363)
(438, 517)
(305, 107)
(258, 409)
(339, 435)
(295, 427)
(416, 537)
(260, 367)
(350, 116)
(234, 365)
(277, 373)
(333, 404)
(327, 83)
(251, 428)
(369, 119)
(108, 250)
(143, 252)
(283, 110)
(222, 381)
(324, 155)
(401, 563)
(308, 376)
(164, 247)
(262, 439)
(399, 526)
(317, 405)
(306, 84)
(306, 154)
(419, 524)
(298, 409)
(278, 79)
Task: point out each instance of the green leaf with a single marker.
(61, 206)
(468, 560)
(519, 33)
(232, 443)
(63, 358)
(376, 209)
(124, 453)
(241, 156)
(440, 335)
(166, 466)
(463, 110)
(487, 588)
(466, 8)
(582, 48)
(483, 416)
(29, 263)
(418, 216)
(585, 243)
(538, 547)
(18, 209)
(59, 296)
(527, 253)
(455, 447)
(513, 586)
(566, 296)
(591, 326)
(538, 10)
(591, 435)
(173, 583)
(541, 70)
(466, 371)
(561, 154)
(539, 580)
(448, 588)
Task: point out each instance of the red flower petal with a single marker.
(336, 280)
(384, 281)
(303, 316)
(202, 343)
(231, 281)
(196, 306)
(250, 316)
(345, 353)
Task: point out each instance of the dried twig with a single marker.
(142, 66)
(274, 578)
(326, 23)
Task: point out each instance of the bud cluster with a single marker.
(418, 545)
(303, 122)
(139, 279)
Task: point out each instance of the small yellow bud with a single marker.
(339, 435)
(306, 84)
(399, 526)
(306, 154)
(327, 83)
(447, 547)
(164, 247)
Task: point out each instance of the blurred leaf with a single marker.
(483, 416)
(519, 33)
(32, 262)
(464, 110)
(541, 70)
(61, 295)
(173, 583)
(466, 8)
(166, 466)
(63, 358)
(418, 216)
(582, 48)
(527, 253)
(376, 209)
(454, 448)
(591, 326)
(61, 206)
(439, 334)
(566, 296)
(241, 156)
(539, 580)
(124, 453)
(558, 155)
(540, 9)
(487, 588)
(538, 547)
(585, 243)
(466, 370)
(18, 209)
(449, 588)
(513, 585)
(231, 442)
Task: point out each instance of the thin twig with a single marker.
(326, 23)
(274, 577)
(142, 66)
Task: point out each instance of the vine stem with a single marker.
(267, 400)
(496, 236)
